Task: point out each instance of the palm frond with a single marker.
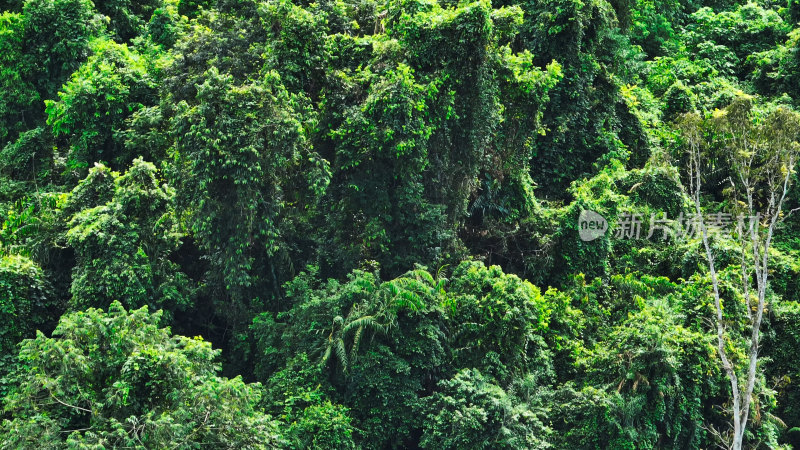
(341, 354)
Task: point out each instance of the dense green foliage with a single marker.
(371, 209)
(117, 379)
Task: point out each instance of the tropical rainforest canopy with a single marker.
(360, 223)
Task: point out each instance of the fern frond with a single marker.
(325, 356)
(341, 354)
(427, 277)
(356, 342)
(410, 300)
(369, 322)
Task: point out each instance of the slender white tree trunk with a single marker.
(760, 254)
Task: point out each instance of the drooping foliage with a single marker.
(236, 150)
(27, 303)
(113, 83)
(123, 243)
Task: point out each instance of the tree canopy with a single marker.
(399, 224)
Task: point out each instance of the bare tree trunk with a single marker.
(730, 372)
(760, 254)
